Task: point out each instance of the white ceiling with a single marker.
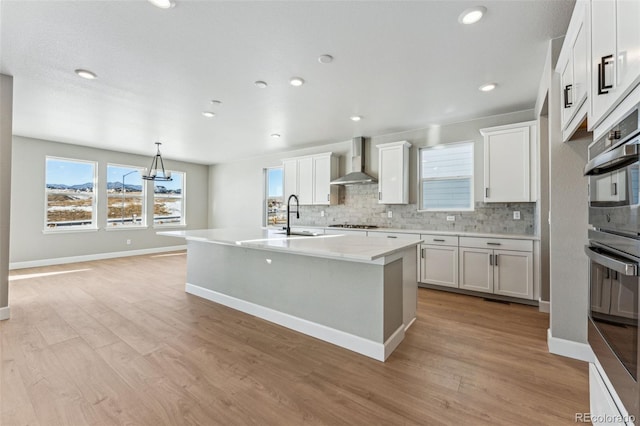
(400, 64)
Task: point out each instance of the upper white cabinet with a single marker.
(510, 163)
(309, 178)
(615, 54)
(573, 67)
(393, 173)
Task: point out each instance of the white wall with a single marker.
(29, 243)
(237, 189)
(6, 119)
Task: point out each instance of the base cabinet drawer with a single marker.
(439, 265)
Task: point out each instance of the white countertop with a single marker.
(345, 247)
(428, 231)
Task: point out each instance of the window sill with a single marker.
(125, 228)
(445, 210)
(69, 231)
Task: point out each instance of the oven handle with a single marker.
(625, 268)
(612, 160)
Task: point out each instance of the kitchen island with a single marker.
(356, 292)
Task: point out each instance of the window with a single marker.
(446, 177)
(125, 197)
(168, 200)
(276, 211)
(70, 193)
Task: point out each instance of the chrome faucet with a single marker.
(297, 212)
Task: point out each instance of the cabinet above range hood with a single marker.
(358, 161)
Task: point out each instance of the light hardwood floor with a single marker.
(120, 342)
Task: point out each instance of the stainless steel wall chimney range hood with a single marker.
(358, 157)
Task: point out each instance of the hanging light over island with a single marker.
(157, 171)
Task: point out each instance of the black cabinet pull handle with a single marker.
(438, 240)
(486, 193)
(422, 253)
(568, 95)
(495, 259)
(494, 244)
(614, 189)
(391, 236)
(379, 196)
(603, 87)
(491, 259)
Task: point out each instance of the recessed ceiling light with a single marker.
(325, 59)
(261, 84)
(208, 114)
(163, 4)
(355, 118)
(275, 135)
(86, 74)
(472, 15)
(488, 87)
(296, 81)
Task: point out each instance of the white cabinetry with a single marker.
(499, 266)
(439, 260)
(510, 163)
(393, 173)
(615, 54)
(309, 178)
(573, 67)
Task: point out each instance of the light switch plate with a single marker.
(451, 218)
(516, 215)
(389, 214)
(322, 213)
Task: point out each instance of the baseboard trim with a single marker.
(544, 306)
(349, 341)
(90, 257)
(4, 313)
(569, 348)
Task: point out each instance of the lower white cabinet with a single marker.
(439, 260)
(498, 266)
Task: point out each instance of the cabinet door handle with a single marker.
(491, 259)
(438, 240)
(486, 193)
(614, 189)
(495, 259)
(379, 196)
(391, 236)
(568, 89)
(603, 87)
(494, 244)
(422, 253)
(328, 195)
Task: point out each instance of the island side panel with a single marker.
(343, 295)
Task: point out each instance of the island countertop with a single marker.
(345, 247)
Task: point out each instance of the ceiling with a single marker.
(401, 65)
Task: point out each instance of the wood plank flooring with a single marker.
(119, 342)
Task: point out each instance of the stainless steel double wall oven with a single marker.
(614, 254)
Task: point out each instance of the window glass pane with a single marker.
(275, 208)
(168, 201)
(70, 193)
(125, 196)
(446, 177)
(446, 194)
(453, 160)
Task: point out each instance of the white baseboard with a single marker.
(569, 348)
(354, 343)
(4, 313)
(89, 257)
(544, 306)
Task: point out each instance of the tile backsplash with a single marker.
(359, 205)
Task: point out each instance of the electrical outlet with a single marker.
(389, 214)
(516, 215)
(128, 242)
(322, 213)
(451, 218)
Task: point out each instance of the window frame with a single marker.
(143, 197)
(93, 226)
(183, 204)
(265, 199)
(421, 180)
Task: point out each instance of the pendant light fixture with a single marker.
(156, 171)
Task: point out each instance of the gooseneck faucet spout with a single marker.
(297, 212)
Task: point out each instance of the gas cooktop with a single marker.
(346, 225)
